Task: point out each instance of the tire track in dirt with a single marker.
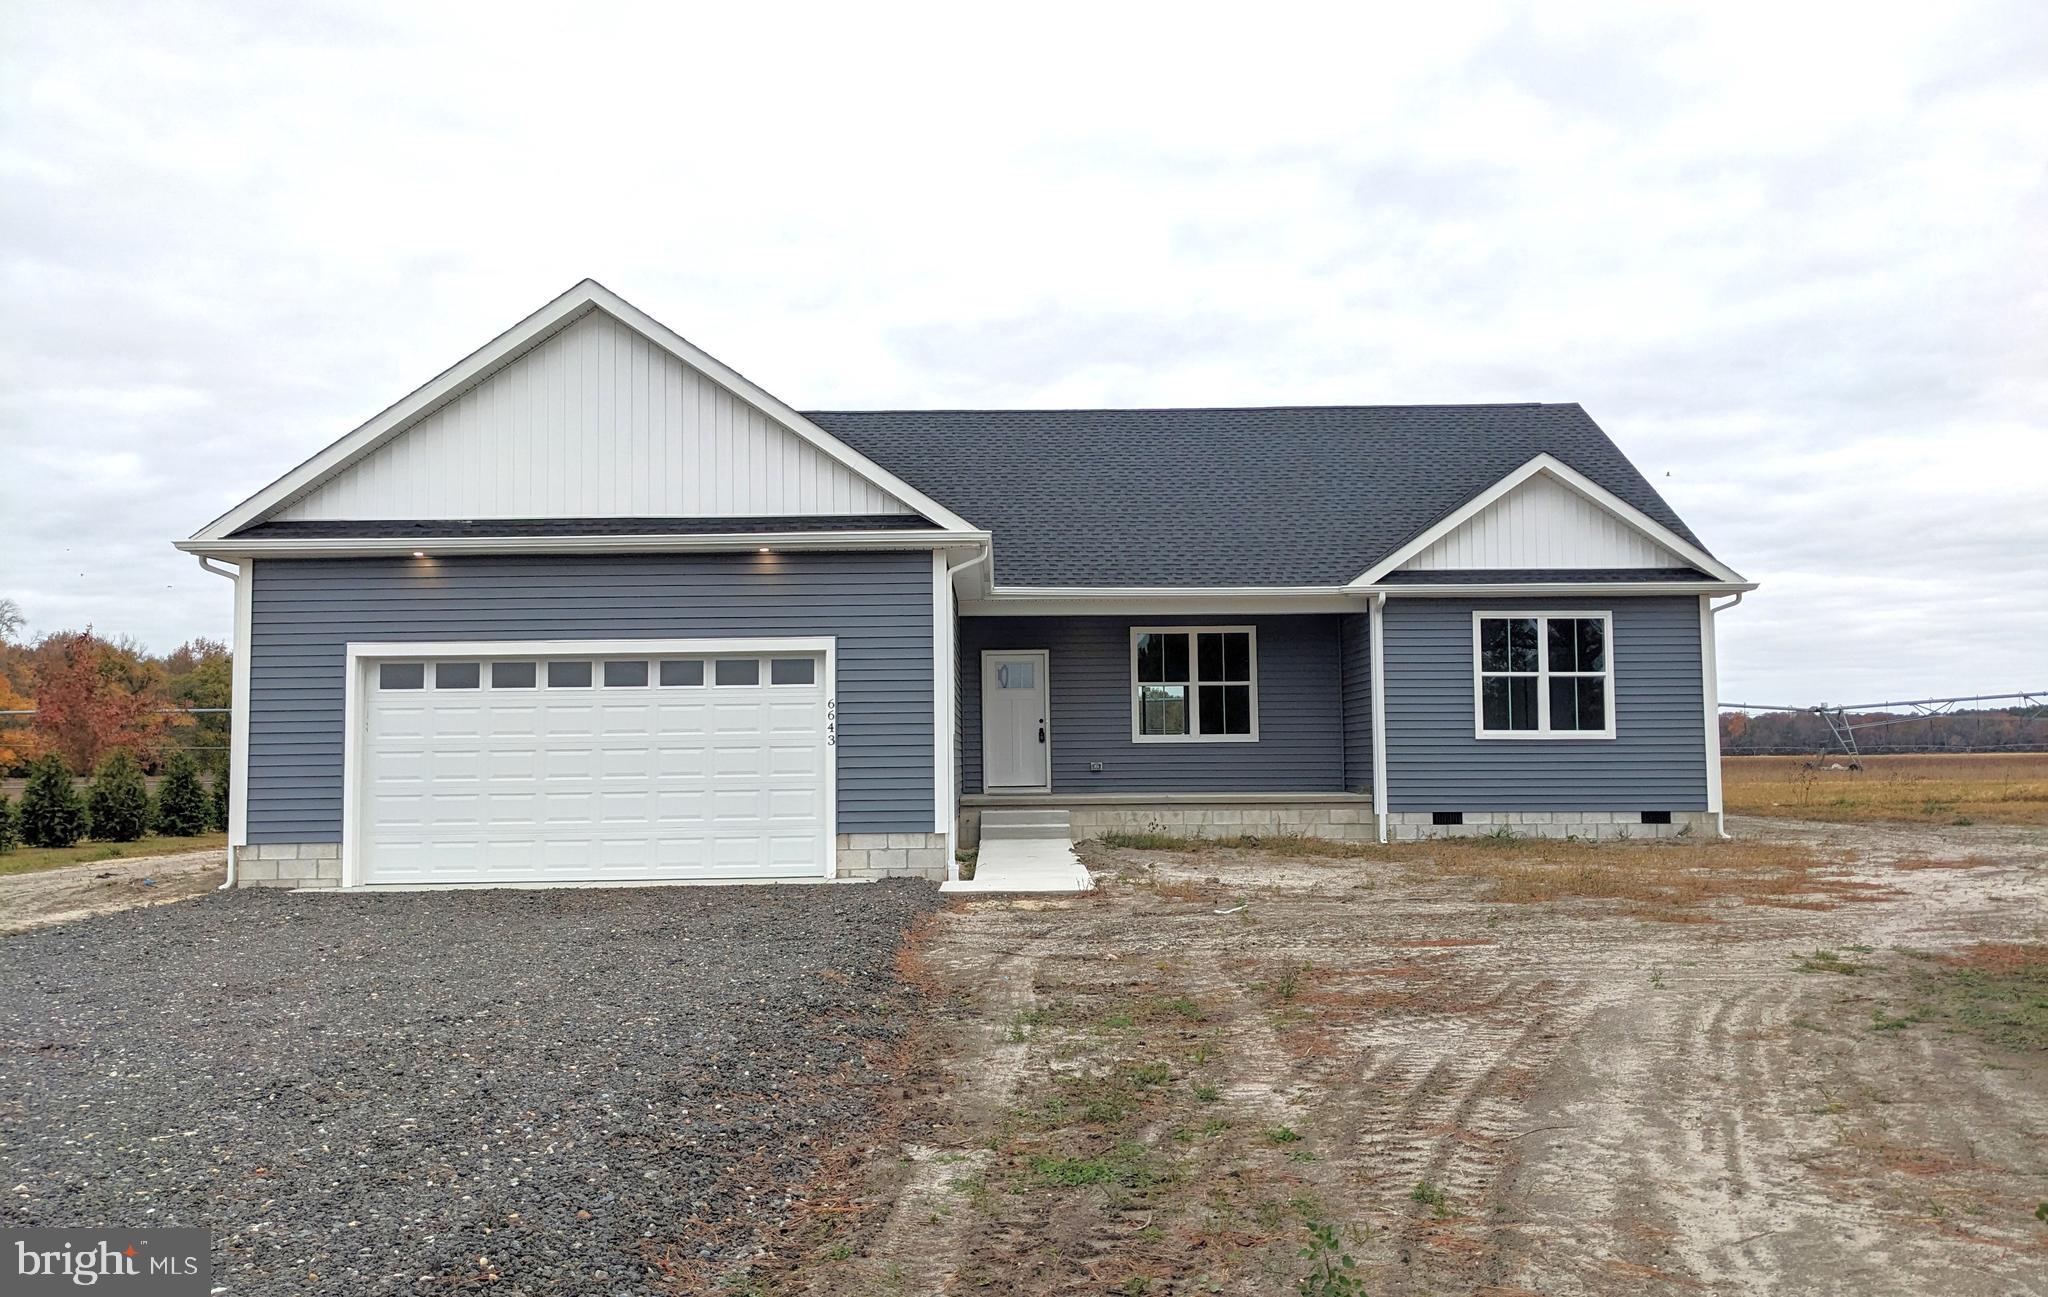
(916, 1248)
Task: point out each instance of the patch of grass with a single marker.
(1150, 1074)
(1283, 1134)
(1126, 1166)
(1827, 961)
(1994, 991)
(1431, 1196)
(29, 860)
(1205, 1093)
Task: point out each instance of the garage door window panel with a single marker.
(737, 671)
(625, 674)
(792, 671)
(514, 675)
(569, 675)
(682, 673)
(402, 675)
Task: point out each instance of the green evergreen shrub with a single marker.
(217, 803)
(52, 813)
(182, 810)
(10, 826)
(117, 804)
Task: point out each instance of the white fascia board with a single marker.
(1577, 481)
(507, 346)
(1073, 601)
(1068, 601)
(1509, 589)
(452, 546)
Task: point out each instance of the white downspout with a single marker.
(238, 719)
(953, 829)
(1710, 692)
(1377, 622)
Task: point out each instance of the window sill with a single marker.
(1194, 738)
(1524, 736)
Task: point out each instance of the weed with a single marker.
(1205, 1094)
(838, 1252)
(1301, 1155)
(1283, 1134)
(1135, 1286)
(1330, 1266)
(1215, 1126)
(1287, 978)
(1431, 1196)
(1151, 1074)
(1827, 961)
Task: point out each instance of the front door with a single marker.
(1015, 743)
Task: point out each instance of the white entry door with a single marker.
(1016, 736)
(610, 762)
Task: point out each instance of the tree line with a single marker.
(1990, 729)
(74, 703)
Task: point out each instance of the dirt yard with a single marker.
(1811, 1061)
(31, 900)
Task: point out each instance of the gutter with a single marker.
(1713, 718)
(1379, 711)
(241, 668)
(447, 546)
(953, 570)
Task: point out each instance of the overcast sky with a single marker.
(1792, 259)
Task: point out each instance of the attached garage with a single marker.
(589, 761)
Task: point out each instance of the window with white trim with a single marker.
(1194, 684)
(1543, 675)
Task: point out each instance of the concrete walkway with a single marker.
(1025, 865)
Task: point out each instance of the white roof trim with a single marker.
(1578, 482)
(507, 346)
(649, 543)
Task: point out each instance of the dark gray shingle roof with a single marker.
(402, 529)
(1301, 495)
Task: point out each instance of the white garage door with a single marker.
(575, 765)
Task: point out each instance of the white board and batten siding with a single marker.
(593, 421)
(1544, 524)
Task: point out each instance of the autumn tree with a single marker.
(17, 733)
(94, 697)
(202, 675)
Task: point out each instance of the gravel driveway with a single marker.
(567, 1091)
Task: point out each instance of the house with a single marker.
(591, 606)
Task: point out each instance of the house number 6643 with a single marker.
(831, 720)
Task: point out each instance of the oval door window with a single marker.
(1017, 675)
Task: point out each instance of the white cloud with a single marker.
(1791, 276)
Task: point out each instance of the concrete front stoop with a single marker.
(1025, 850)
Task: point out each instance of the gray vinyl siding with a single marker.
(1657, 761)
(1301, 731)
(1355, 644)
(305, 611)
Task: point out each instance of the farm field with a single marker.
(1939, 788)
